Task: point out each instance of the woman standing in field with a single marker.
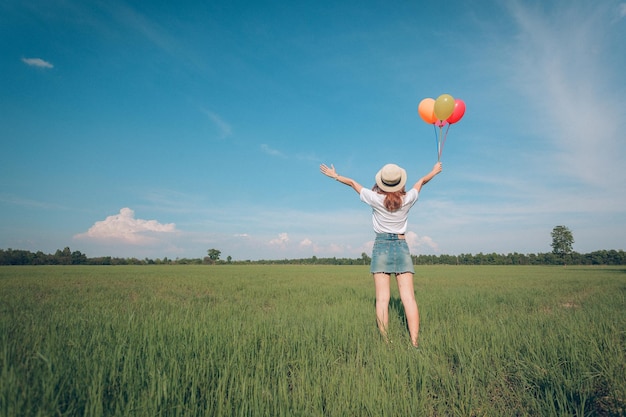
(390, 210)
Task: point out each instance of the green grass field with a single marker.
(302, 341)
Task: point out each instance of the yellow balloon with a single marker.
(444, 106)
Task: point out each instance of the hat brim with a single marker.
(391, 189)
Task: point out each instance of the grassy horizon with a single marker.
(292, 340)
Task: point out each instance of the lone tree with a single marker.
(214, 255)
(562, 241)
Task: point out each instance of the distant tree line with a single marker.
(601, 257)
(69, 257)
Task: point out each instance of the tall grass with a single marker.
(302, 341)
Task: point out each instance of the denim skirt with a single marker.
(391, 255)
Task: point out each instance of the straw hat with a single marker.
(391, 178)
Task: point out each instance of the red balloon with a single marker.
(458, 112)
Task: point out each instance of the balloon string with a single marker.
(444, 140)
(439, 144)
(436, 139)
(438, 136)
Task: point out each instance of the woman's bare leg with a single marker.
(381, 282)
(407, 295)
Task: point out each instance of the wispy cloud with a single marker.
(144, 26)
(301, 156)
(273, 152)
(223, 127)
(37, 62)
(29, 203)
(562, 67)
(621, 10)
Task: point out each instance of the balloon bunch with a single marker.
(446, 110)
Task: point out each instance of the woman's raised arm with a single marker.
(436, 170)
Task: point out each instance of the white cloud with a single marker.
(306, 243)
(126, 229)
(37, 62)
(622, 10)
(280, 241)
(335, 248)
(416, 243)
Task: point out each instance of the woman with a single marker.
(390, 210)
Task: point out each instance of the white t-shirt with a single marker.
(385, 221)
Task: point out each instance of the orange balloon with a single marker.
(426, 110)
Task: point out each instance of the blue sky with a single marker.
(153, 129)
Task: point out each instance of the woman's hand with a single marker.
(329, 172)
(436, 170)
